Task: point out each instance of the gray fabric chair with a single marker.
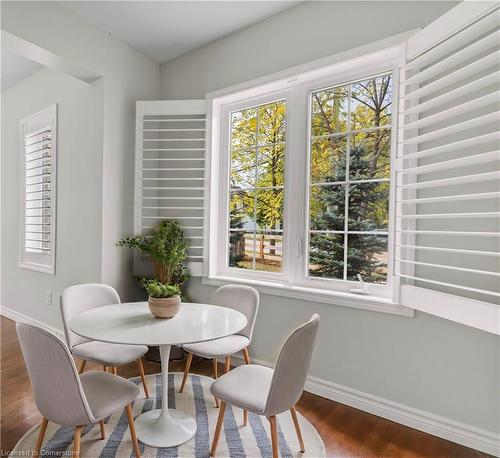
(269, 392)
(65, 397)
(237, 297)
(79, 298)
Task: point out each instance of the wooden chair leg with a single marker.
(41, 435)
(245, 417)
(297, 429)
(103, 431)
(115, 371)
(218, 428)
(227, 364)
(104, 368)
(132, 431)
(82, 366)
(246, 356)
(214, 367)
(186, 371)
(143, 377)
(274, 436)
(76, 445)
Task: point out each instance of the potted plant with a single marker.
(163, 300)
(167, 249)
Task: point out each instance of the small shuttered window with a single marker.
(170, 165)
(38, 190)
(448, 183)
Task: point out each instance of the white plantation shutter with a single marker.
(170, 166)
(448, 180)
(38, 190)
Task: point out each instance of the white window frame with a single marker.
(224, 188)
(40, 262)
(297, 87)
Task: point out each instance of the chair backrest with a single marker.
(291, 368)
(79, 298)
(54, 379)
(242, 298)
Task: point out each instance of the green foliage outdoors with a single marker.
(168, 250)
(157, 289)
(346, 139)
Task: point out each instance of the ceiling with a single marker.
(16, 68)
(165, 30)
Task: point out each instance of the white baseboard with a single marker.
(439, 426)
(21, 317)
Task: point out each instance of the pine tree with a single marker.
(327, 251)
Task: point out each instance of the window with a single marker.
(301, 183)
(38, 190)
(350, 133)
(257, 181)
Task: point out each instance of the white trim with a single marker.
(323, 296)
(437, 425)
(19, 317)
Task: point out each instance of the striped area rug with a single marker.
(236, 440)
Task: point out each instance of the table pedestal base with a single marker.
(158, 428)
(164, 427)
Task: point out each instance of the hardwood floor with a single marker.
(347, 432)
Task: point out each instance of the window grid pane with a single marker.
(256, 219)
(363, 172)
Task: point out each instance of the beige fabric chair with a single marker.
(269, 392)
(66, 398)
(79, 298)
(237, 297)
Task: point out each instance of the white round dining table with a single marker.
(132, 323)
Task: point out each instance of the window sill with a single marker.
(373, 303)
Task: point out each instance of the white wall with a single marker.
(424, 362)
(127, 76)
(79, 203)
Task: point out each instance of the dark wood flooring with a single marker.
(347, 432)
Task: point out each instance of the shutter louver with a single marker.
(38, 139)
(447, 255)
(170, 165)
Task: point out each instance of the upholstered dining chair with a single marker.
(69, 399)
(79, 298)
(237, 297)
(269, 392)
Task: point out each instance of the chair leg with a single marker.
(115, 371)
(132, 431)
(297, 429)
(274, 436)
(82, 366)
(76, 445)
(103, 431)
(214, 367)
(246, 356)
(227, 364)
(143, 377)
(186, 371)
(41, 435)
(218, 428)
(104, 368)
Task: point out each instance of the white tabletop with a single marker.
(132, 323)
